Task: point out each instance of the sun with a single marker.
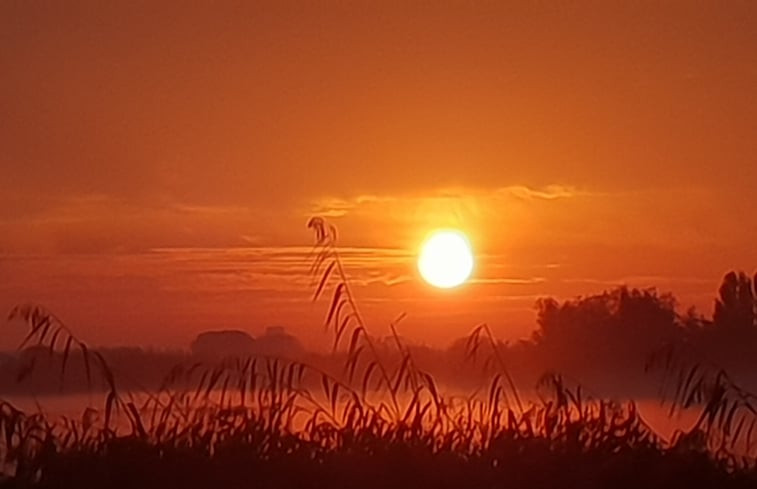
(446, 259)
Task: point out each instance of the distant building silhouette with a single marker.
(274, 342)
(277, 342)
(223, 343)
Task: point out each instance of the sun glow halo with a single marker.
(446, 259)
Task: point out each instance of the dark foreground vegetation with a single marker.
(590, 445)
(270, 422)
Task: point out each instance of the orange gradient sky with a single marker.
(159, 162)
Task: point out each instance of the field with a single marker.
(271, 422)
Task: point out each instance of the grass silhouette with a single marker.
(264, 421)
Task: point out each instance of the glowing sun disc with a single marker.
(446, 259)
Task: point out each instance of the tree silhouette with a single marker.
(735, 308)
(615, 329)
(616, 313)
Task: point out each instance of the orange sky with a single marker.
(159, 162)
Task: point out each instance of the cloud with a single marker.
(338, 207)
(468, 197)
(550, 192)
(509, 281)
(284, 268)
(332, 207)
(641, 280)
(98, 223)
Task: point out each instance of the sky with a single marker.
(159, 162)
